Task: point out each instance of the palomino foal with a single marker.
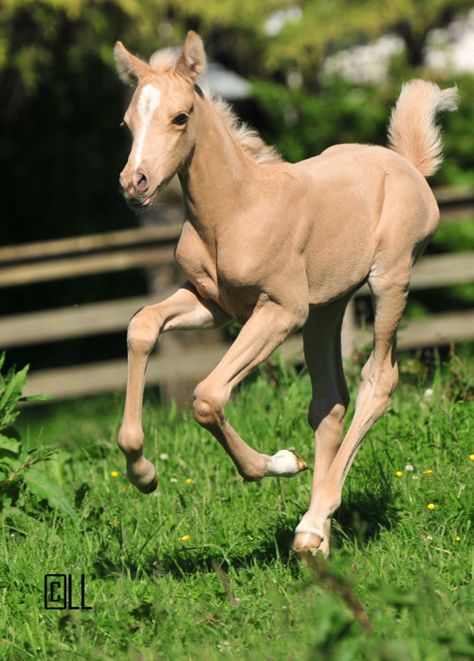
(278, 246)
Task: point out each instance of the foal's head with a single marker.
(160, 116)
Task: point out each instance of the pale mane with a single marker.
(249, 139)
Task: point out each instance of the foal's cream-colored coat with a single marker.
(278, 246)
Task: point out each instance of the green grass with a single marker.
(234, 589)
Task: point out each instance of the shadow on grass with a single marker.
(362, 517)
(183, 562)
(277, 546)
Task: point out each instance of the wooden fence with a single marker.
(152, 247)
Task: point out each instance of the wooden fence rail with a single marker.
(110, 316)
(154, 247)
(95, 378)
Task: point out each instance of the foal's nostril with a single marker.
(140, 181)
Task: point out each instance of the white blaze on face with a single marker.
(147, 103)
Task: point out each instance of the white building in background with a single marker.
(452, 48)
(449, 49)
(225, 83)
(365, 64)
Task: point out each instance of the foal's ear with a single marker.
(192, 61)
(130, 68)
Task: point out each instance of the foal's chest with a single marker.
(214, 278)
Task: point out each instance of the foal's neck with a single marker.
(218, 174)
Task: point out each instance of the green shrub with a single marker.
(21, 469)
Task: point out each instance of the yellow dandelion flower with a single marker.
(431, 506)
(398, 473)
(189, 480)
(185, 538)
(471, 457)
(457, 538)
(428, 471)
(114, 473)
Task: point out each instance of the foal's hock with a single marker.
(278, 246)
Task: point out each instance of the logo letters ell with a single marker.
(58, 593)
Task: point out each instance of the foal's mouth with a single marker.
(145, 202)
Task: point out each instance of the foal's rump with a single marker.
(370, 199)
(361, 199)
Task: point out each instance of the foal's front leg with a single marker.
(269, 325)
(184, 310)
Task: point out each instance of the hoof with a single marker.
(143, 475)
(285, 463)
(147, 488)
(307, 546)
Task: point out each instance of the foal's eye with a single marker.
(180, 119)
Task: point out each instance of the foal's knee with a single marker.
(130, 440)
(143, 330)
(208, 406)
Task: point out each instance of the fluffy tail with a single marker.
(412, 131)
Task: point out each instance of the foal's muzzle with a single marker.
(140, 181)
(134, 188)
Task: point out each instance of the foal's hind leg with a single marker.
(379, 378)
(322, 348)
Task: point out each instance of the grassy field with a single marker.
(202, 568)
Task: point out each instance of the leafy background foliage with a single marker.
(62, 99)
(61, 148)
